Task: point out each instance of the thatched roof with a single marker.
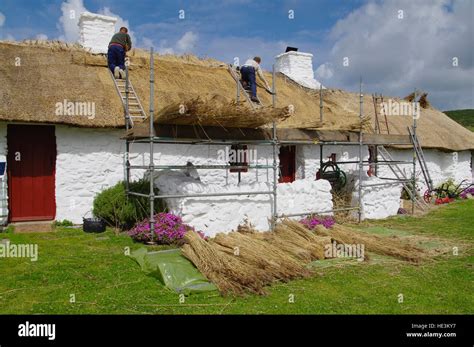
(50, 72)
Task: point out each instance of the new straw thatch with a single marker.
(36, 75)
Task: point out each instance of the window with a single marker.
(238, 157)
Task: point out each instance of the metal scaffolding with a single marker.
(274, 142)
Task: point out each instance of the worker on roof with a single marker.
(118, 46)
(248, 71)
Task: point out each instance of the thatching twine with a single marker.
(391, 246)
(218, 111)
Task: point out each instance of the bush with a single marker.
(63, 223)
(169, 229)
(121, 211)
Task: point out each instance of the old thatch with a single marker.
(35, 76)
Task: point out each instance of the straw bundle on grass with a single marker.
(373, 243)
(260, 254)
(228, 273)
(290, 233)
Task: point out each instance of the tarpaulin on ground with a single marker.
(173, 270)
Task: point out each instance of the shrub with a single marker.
(169, 229)
(63, 223)
(312, 221)
(113, 205)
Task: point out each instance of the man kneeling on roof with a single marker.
(248, 71)
(118, 46)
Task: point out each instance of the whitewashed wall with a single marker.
(441, 166)
(224, 213)
(308, 159)
(377, 201)
(95, 31)
(90, 160)
(299, 67)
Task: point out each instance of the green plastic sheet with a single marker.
(173, 270)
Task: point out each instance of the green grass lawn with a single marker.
(104, 280)
(463, 117)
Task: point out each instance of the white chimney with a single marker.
(95, 31)
(298, 66)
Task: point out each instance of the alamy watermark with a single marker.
(400, 108)
(37, 330)
(11, 250)
(335, 250)
(241, 155)
(75, 108)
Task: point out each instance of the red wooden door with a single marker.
(31, 163)
(287, 158)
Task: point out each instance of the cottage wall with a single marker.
(90, 160)
(441, 166)
(224, 213)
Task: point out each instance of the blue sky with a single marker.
(392, 54)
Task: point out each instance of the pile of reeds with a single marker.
(293, 236)
(246, 261)
(391, 246)
(227, 272)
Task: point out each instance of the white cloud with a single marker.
(42, 37)
(187, 42)
(394, 55)
(324, 71)
(120, 22)
(2, 19)
(71, 11)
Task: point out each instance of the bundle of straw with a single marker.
(219, 112)
(259, 254)
(228, 273)
(373, 243)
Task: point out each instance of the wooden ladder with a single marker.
(135, 108)
(378, 102)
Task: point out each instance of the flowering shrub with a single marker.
(312, 221)
(468, 193)
(169, 229)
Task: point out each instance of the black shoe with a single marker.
(254, 99)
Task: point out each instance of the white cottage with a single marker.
(61, 123)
